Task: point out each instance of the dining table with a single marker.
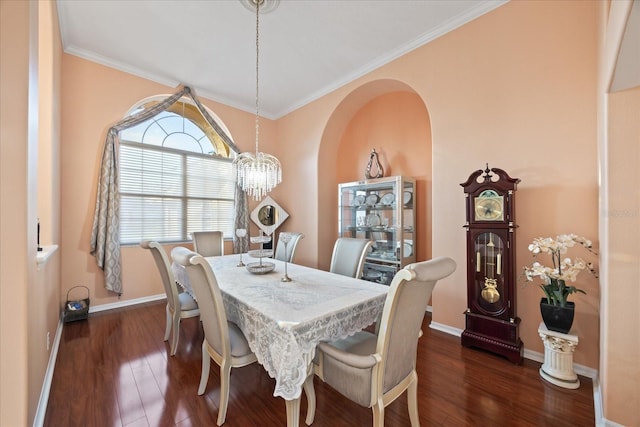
(283, 321)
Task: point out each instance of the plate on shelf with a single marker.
(407, 196)
(387, 199)
(382, 246)
(358, 200)
(372, 220)
(407, 250)
(372, 199)
(372, 275)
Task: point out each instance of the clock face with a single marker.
(489, 206)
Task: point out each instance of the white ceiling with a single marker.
(307, 47)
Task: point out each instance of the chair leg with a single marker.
(225, 374)
(167, 330)
(176, 333)
(311, 398)
(412, 399)
(206, 363)
(378, 414)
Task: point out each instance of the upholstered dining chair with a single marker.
(208, 243)
(373, 370)
(349, 255)
(286, 252)
(180, 305)
(223, 341)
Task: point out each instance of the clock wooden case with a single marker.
(491, 322)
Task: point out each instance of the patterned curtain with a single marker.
(241, 220)
(105, 234)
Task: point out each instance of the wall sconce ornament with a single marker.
(268, 215)
(374, 163)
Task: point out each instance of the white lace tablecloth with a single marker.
(284, 321)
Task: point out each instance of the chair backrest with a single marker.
(287, 255)
(164, 267)
(208, 243)
(205, 286)
(403, 314)
(349, 255)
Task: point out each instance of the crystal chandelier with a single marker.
(259, 173)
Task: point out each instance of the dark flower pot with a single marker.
(557, 318)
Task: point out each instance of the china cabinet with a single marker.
(383, 211)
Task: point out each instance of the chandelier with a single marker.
(259, 173)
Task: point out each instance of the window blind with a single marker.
(165, 194)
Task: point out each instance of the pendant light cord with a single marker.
(257, 73)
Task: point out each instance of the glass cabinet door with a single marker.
(380, 210)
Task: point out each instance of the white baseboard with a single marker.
(120, 304)
(445, 328)
(41, 410)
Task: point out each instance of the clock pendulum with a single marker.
(490, 292)
(491, 322)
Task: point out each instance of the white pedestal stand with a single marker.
(558, 358)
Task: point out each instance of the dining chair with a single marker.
(180, 305)
(223, 342)
(286, 252)
(208, 243)
(373, 369)
(349, 255)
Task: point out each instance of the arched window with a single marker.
(175, 176)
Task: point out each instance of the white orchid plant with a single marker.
(564, 269)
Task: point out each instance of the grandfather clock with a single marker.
(491, 322)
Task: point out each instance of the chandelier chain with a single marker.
(257, 73)
(257, 174)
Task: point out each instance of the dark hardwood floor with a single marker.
(114, 370)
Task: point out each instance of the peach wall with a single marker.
(496, 94)
(619, 142)
(621, 370)
(44, 289)
(28, 297)
(515, 88)
(96, 97)
(525, 104)
(308, 141)
(15, 33)
(397, 126)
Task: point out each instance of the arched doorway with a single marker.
(391, 117)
